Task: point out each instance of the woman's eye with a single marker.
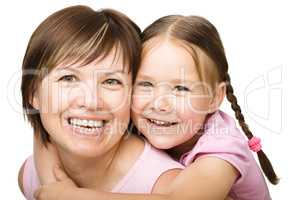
(182, 88)
(68, 78)
(112, 82)
(145, 84)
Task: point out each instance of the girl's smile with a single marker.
(168, 106)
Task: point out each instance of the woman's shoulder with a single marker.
(132, 144)
(131, 149)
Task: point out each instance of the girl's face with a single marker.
(85, 109)
(169, 104)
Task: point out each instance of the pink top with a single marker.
(141, 178)
(222, 139)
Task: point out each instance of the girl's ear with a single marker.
(220, 93)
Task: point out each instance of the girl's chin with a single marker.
(161, 141)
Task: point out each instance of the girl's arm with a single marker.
(207, 178)
(45, 159)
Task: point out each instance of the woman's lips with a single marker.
(85, 128)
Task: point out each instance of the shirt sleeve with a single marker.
(30, 179)
(232, 149)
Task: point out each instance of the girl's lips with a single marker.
(160, 124)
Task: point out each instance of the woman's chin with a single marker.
(84, 150)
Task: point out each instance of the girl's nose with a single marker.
(162, 104)
(163, 100)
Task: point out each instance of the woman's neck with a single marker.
(91, 172)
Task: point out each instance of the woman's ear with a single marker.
(220, 92)
(34, 101)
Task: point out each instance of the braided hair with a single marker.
(198, 32)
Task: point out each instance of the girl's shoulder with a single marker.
(222, 139)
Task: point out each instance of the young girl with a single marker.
(178, 90)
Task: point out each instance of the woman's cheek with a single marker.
(63, 98)
(117, 100)
(49, 98)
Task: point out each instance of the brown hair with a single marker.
(75, 34)
(197, 32)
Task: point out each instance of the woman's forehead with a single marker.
(112, 62)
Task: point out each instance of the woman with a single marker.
(76, 87)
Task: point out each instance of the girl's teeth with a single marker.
(161, 123)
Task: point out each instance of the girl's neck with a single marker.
(177, 151)
(91, 172)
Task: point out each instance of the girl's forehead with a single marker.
(169, 59)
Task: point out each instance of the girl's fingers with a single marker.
(37, 193)
(60, 175)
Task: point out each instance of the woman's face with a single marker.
(85, 109)
(169, 105)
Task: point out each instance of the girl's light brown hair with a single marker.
(198, 33)
(77, 35)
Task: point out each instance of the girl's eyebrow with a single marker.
(174, 81)
(178, 81)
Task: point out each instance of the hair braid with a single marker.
(264, 161)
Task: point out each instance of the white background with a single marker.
(255, 36)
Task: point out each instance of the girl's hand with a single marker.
(63, 189)
(45, 159)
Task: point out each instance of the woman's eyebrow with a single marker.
(102, 71)
(109, 73)
(143, 76)
(67, 68)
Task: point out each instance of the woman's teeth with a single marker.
(86, 123)
(161, 123)
(86, 126)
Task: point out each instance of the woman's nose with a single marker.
(89, 96)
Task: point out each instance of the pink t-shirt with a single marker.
(222, 139)
(142, 176)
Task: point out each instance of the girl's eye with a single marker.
(68, 78)
(182, 88)
(112, 82)
(145, 84)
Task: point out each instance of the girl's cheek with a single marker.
(191, 109)
(199, 105)
(140, 101)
